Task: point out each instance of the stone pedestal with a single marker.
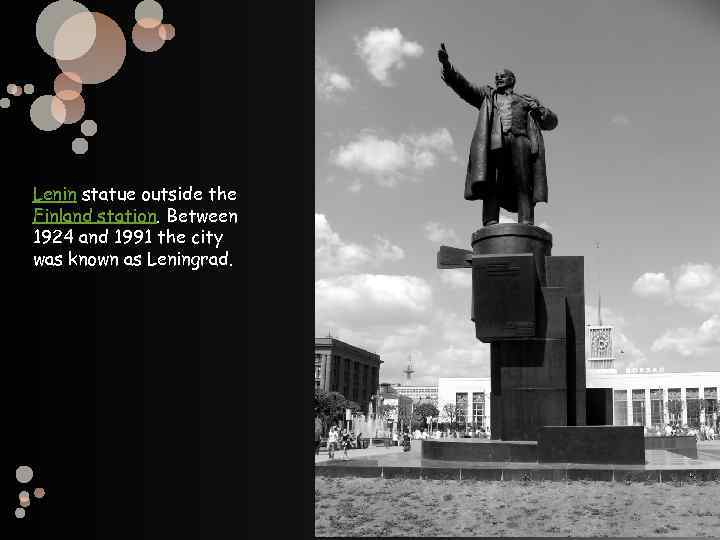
(530, 306)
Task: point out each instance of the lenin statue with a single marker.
(506, 168)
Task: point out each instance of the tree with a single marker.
(422, 411)
(330, 406)
(451, 413)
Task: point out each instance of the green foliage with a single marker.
(420, 414)
(331, 406)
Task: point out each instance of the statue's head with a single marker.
(504, 79)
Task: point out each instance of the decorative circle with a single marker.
(88, 128)
(147, 39)
(166, 32)
(80, 145)
(148, 14)
(4, 103)
(68, 86)
(23, 474)
(74, 111)
(66, 30)
(24, 497)
(39, 493)
(19, 513)
(29, 89)
(105, 57)
(48, 113)
(11, 89)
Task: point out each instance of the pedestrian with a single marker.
(332, 442)
(358, 441)
(345, 443)
(318, 434)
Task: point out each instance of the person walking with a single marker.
(345, 443)
(332, 442)
(318, 434)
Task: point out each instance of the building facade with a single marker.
(349, 370)
(657, 399)
(646, 398)
(465, 401)
(394, 407)
(418, 393)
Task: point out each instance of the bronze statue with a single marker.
(506, 167)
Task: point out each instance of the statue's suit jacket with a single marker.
(482, 174)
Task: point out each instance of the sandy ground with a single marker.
(400, 507)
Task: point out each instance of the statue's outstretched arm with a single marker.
(471, 93)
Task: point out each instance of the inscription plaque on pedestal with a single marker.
(504, 296)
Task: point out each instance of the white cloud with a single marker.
(329, 82)
(389, 161)
(436, 232)
(371, 300)
(698, 286)
(457, 278)
(695, 285)
(334, 256)
(690, 342)
(620, 119)
(652, 285)
(384, 49)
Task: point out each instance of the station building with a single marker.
(642, 396)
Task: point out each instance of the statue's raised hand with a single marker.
(443, 55)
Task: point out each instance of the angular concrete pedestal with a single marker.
(530, 307)
(623, 445)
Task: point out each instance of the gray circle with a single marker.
(29, 88)
(80, 145)
(23, 474)
(4, 103)
(75, 39)
(48, 113)
(149, 9)
(88, 128)
(19, 513)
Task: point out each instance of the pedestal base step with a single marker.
(479, 450)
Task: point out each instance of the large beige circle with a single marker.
(105, 57)
(65, 30)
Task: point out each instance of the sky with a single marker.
(633, 171)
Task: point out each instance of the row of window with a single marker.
(353, 373)
(478, 408)
(694, 403)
